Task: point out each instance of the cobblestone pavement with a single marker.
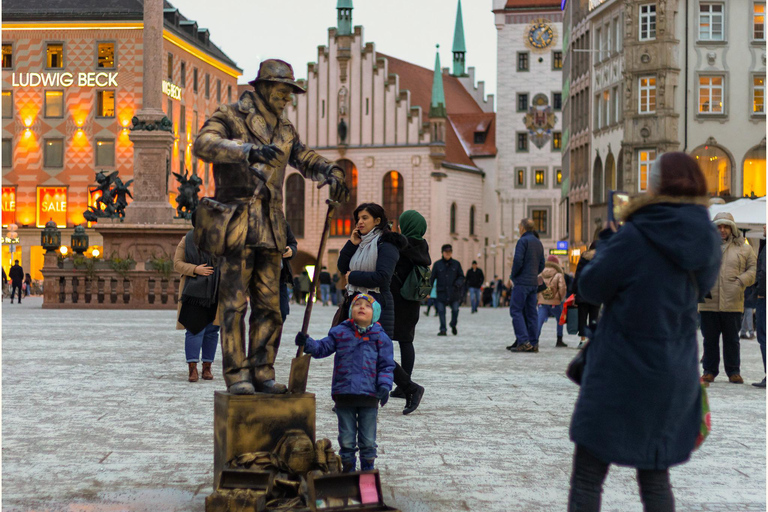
(98, 417)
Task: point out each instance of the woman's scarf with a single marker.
(365, 259)
(199, 290)
(412, 225)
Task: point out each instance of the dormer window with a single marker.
(480, 137)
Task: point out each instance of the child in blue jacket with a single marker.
(362, 377)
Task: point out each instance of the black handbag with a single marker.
(575, 368)
(343, 312)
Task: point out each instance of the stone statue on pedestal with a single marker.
(250, 144)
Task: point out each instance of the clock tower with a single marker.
(529, 113)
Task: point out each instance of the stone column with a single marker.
(152, 131)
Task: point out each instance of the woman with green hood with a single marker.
(413, 226)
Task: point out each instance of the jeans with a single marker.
(357, 428)
(496, 297)
(587, 485)
(546, 311)
(207, 339)
(748, 323)
(325, 293)
(440, 306)
(335, 296)
(474, 298)
(522, 309)
(760, 319)
(713, 324)
(15, 287)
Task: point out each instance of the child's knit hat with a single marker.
(374, 304)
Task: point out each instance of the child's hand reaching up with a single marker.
(301, 341)
(383, 395)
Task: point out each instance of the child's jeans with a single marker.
(357, 428)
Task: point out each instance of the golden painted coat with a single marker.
(737, 271)
(186, 270)
(225, 140)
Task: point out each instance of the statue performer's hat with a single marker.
(275, 70)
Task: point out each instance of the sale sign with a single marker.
(9, 206)
(52, 205)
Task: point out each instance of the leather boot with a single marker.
(193, 372)
(207, 375)
(560, 342)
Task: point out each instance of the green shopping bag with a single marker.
(706, 417)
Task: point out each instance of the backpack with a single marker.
(416, 286)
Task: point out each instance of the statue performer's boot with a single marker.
(193, 372)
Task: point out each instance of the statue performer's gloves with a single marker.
(263, 154)
(382, 393)
(338, 186)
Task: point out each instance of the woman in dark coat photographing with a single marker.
(640, 398)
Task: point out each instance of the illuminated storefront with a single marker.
(71, 85)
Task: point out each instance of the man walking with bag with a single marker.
(526, 267)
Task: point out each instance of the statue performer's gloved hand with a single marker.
(338, 186)
(263, 154)
(382, 393)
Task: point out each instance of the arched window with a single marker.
(754, 171)
(294, 204)
(610, 175)
(453, 218)
(393, 192)
(620, 171)
(716, 166)
(472, 220)
(344, 221)
(597, 181)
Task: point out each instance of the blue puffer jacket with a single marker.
(363, 362)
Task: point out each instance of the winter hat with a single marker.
(553, 259)
(412, 224)
(727, 218)
(374, 304)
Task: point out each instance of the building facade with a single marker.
(72, 82)
(408, 137)
(668, 75)
(529, 112)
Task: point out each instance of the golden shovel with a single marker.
(297, 382)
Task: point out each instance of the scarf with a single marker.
(200, 290)
(412, 225)
(365, 259)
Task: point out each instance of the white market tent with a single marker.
(747, 213)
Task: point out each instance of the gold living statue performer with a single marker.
(249, 144)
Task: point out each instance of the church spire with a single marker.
(459, 49)
(344, 17)
(437, 107)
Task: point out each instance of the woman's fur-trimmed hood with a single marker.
(641, 201)
(554, 266)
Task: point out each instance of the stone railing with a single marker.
(139, 288)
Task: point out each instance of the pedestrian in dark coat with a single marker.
(17, 277)
(760, 309)
(587, 311)
(449, 279)
(413, 226)
(640, 398)
(474, 279)
(526, 267)
(286, 273)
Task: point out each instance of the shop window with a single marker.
(294, 204)
(716, 166)
(522, 142)
(55, 55)
(522, 101)
(557, 60)
(54, 103)
(647, 96)
(105, 104)
(754, 172)
(53, 153)
(9, 204)
(711, 95)
(7, 152)
(51, 205)
(7, 105)
(393, 196)
(105, 153)
(645, 159)
(344, 220)
(7, 56)
(522, 61)
(106, 56)
(711, 22)
(647, 22)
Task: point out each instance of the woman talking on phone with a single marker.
(368, 261)
(640, 399)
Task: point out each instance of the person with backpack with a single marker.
(551, 299)
(410, 285)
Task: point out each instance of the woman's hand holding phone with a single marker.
(356, 238)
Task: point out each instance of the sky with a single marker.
(249, 31)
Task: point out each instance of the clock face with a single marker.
(540, 35)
